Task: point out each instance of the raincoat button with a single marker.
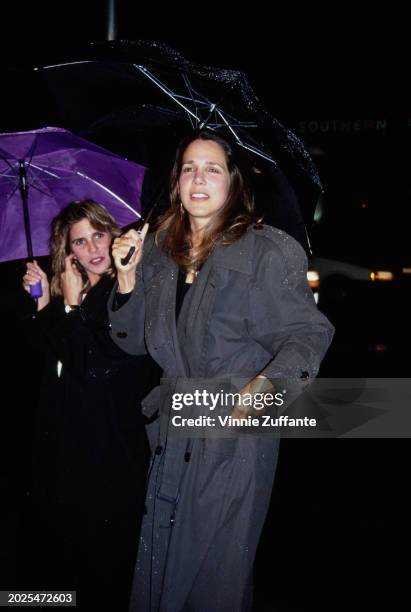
(304, 375)
(158, 450)
(121, 334)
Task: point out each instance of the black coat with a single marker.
(90, 446)
(90, 454)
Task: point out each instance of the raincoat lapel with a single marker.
(197, 308)
(160, 280)
(194, 316)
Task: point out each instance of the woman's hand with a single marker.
(33, 275)
(71, 282)
(260, 384)
(126, 275)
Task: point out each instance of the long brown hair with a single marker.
(228, 226)
(98, 217)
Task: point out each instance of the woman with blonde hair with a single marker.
(91, 453)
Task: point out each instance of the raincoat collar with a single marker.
(236, 256)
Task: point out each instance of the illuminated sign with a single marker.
(340, 126)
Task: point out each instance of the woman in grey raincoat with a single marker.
(216, 295)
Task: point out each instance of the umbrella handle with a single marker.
(126, 259)
(36, 290)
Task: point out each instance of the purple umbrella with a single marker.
(41, 171)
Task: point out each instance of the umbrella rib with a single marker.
(190, 91)
(12, 193)
(6, 161)
(45, 171)
(32, 148)
(31, 180)
(238, 122)
(229, 127)
(12, 176)
(244, 146)
(107, 190)
(65, 64)
(89, 179)
(204, 123)
(197, 102)
(257, 152)
(165, 89)
(34, 186)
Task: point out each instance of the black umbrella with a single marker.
(143, 97)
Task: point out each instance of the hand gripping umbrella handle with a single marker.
(124, 261)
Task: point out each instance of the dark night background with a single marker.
(339, 519)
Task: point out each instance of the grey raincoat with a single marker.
(249, 311)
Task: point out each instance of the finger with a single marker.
(127, 241)
(122, 251)
(68, 261)
(31, 266)
(32, 276)
(74, 267)
(72, 271)
(39, 270)
(133, 234)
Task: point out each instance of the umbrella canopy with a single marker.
(143, 97)
(41, 171)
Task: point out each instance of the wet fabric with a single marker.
(90, 455)
(249, 311)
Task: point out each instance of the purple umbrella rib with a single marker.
(41, 171)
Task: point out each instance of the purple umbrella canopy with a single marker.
(46, 169)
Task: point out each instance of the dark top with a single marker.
(182, 289)
(90, 444)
